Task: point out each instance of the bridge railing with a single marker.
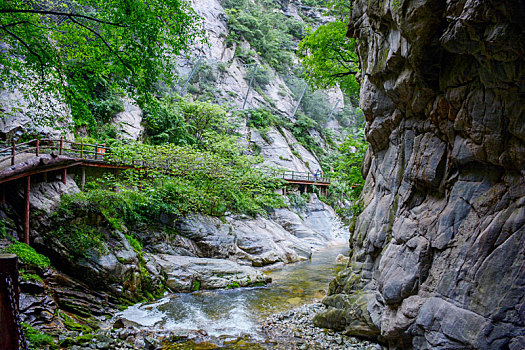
(100, 152)
(290, 175)
(47, 146)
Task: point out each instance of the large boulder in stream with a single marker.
(257, 241)
(185, 273)
(286, 236)
(438, 250)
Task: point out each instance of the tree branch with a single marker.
(56, 13)
(27, 22)
(28, 48)
(14, 24)
(343, 74)
(104, 41)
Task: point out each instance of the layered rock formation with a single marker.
(438, 258)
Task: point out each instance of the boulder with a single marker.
(185, 273)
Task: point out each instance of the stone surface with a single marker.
(279, 148)
(231, 84)
(128, 122)
(438, 248)
(284, 237)
(186, 273)
(20, 114)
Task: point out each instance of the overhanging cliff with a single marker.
(438, 257)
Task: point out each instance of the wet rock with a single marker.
(185, 274)
(443, 200)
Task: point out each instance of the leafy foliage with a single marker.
(261, 118)
(3, 232)
(270, 33)
(181, 122)
(349, 163)
(349, 181)
(28, 255)
(72, 47)
(209, 181)
(329, 58)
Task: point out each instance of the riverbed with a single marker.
(236, 316)
(239, 311)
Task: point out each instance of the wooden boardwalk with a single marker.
(23, 160)
(39, 156)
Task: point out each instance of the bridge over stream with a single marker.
(42, 156)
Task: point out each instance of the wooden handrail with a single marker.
(93, 151)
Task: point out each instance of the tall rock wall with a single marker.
(438, 253)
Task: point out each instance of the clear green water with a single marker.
(229, 314)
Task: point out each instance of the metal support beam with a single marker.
(26, 209)
(64, 175)
(191, 75)
(250, 85)
(299, 102)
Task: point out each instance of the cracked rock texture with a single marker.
(438, 257)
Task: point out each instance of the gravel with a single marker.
(290, 330)
(294, 329)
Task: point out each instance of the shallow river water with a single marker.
(236, 313)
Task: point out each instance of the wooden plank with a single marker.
(38, 171)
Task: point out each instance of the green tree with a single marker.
(68, 47)
(329, 58)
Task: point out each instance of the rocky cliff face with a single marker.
(438, 253)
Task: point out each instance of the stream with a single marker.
(224, 316)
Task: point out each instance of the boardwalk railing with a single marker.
(298, 176)
(104, 154)
(47, 146)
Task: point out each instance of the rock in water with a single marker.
(185, 273)
(437, 259)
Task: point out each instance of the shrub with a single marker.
(3, 232)
(37, 339)
(28, 255)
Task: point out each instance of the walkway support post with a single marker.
(26, 209)
(333, 110)
(8, 299)
(61, 145)
(191, 75)
(83, 181)
(64, 175)
(37, 150)
(13, 153)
